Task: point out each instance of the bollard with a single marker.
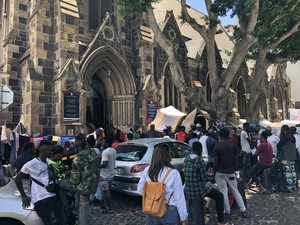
(83, 210)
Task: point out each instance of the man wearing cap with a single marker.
(46, 204)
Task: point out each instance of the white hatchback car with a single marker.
(135, 155)
(11, 210)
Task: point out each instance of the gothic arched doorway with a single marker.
(111, 89)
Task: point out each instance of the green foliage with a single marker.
(270, 27)
(222, 7)
(129, 7)
(288, 50)
(266, 30)
(176, 47)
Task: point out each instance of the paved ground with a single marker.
(277, 208)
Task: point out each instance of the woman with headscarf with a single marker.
(288, 155)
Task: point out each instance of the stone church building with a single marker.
(60, 56)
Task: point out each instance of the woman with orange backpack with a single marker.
(160, 177)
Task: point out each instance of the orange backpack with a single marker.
(154, 198)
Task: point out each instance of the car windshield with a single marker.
(180, 150)
(131, 152)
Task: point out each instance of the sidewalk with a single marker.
(277, 208)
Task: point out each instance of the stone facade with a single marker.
(53, 47)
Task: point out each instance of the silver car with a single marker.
(135, 155)
(11, 210)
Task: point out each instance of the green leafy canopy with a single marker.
(129, 7)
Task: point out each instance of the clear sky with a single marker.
(200, 6)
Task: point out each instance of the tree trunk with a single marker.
(175, 68)
(254, 106)
(258, 87)
(220, 83)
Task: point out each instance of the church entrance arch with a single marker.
(110, 87)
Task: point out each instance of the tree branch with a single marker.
(161, 39)
(293, 30)
(167, 46)
(192, 22)
(208, 4)
(253, 19)
(211, 15)
(283, 15)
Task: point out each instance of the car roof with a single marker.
(147, 141)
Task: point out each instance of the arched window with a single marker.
(280, 104)
(241, 99)
(263, 107)
(97, 10)
(171, 93)
(208, 89)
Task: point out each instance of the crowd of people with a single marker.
(238, 159)
(78, 181)
(90, 172)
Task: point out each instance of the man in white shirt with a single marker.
(246, 151)
(273, 140)
(107, 171)
(46, 204)
(202, 140)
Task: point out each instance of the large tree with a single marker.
(220, 81)
(263, 26)
(277, 32)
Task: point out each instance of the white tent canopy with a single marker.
(167, 116)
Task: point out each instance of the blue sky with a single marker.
(200, 6)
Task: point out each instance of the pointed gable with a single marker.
(172, 32)
(69, 71)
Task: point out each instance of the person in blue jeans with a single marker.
(174, 194)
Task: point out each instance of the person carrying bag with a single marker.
(162, 190)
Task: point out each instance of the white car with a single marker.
(135, 155)
(11, 210)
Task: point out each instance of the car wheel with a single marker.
(210, 173)
(8, 221)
